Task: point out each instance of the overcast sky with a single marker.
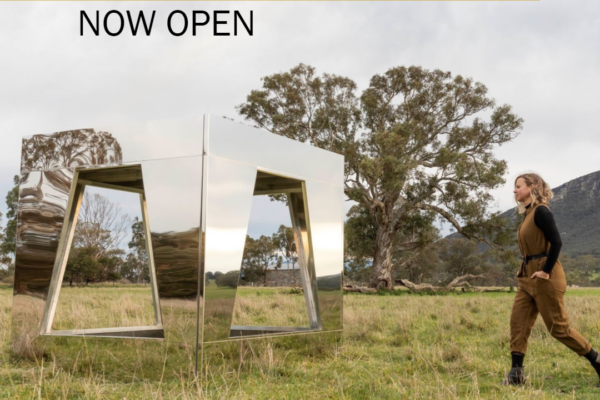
(540, 57)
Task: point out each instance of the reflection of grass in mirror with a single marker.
(103, 306)
(270, 307)
(214, 292)
(217, 315)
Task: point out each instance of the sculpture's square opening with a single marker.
(91, 250)
(276, 293)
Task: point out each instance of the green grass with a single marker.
(404, 346)
(215, 292)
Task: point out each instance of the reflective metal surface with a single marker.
(275, 293)
(273, 153)
(43, 199)
(173, 189)
(56, 168)
(196, 180)
(127, 178)
(306, 175)
(116, 144)
(326, 228)
(230, 187)
(302, 236)
(70, 149)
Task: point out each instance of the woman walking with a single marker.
(542, 282)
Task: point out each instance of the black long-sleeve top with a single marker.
(544, 220)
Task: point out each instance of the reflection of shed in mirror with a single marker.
(89, 251)
(276, 291)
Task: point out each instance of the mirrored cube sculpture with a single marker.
(195, 180)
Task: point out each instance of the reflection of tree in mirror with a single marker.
(285, 243)
(137, 260)
(266, 255)
(259, 255)
(47, 167)
(175, 255)
(229, 279)
(69, 149)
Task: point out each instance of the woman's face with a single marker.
(522, 191)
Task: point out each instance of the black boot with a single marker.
(594, 359)
(516, 376)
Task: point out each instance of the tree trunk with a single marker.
(138, 272)
(381, 274)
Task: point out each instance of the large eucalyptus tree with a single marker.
(418, 144)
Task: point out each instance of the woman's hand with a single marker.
(540, 274)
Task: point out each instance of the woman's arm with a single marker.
(544, 220)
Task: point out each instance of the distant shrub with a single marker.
(230, 279)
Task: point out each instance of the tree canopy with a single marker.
(9, 233)
(418, 145)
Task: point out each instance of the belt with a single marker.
(526, 259)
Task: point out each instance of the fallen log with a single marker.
(461, 280)
(458, 282)
(416, 287)
(357, 289)
(491, 289)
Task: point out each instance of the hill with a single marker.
(576, 209)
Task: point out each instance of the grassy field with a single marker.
(404, 346)
(84, 307)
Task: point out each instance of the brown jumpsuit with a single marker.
(538, 295)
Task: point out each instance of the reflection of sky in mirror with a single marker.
(172, 188)
(266, 216)
(159, 139)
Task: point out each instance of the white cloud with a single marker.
(540, 57)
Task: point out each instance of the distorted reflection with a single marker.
(48, 165)
(325, 208)
(69, 149)
(230, 186)
(43, 197)
(79, 275)
(172, 188)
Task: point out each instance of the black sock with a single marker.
(517, 359)
(592, 356)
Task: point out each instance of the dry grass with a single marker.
(270, 307)
(407, 346)
(104, 307)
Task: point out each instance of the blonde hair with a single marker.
(540, 190)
